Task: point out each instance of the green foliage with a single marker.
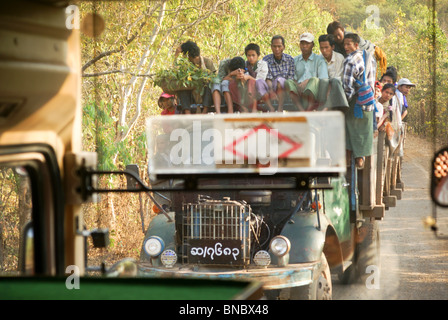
(98, 131)
(183, 74)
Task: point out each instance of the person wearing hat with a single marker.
(404, 86)
(309, 68)
(308, 64)
(168, 104)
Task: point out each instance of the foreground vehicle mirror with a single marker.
(439, 178)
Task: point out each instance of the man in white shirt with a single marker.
(334, 60)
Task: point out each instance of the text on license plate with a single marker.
(214, 251)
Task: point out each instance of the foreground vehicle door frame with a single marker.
(47, 215)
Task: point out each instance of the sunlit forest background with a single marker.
(138, 38)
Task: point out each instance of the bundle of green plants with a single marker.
(183, 75)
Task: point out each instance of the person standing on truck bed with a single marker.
(404, 86)
(337, 30)
(281, 68)
(186, 97)
(359, 128)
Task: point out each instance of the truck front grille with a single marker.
(211, 227)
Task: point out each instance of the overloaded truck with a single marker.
(266, 197)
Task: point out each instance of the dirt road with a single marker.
(414, 261)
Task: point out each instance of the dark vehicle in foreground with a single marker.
(46, 177)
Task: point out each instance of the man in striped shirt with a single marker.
(359, 131)
(281, 68)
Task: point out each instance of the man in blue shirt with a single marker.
(281, 68)
(309, 68)
(308, 64)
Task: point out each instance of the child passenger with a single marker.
(242, 86)
(258, 70)
(167, 103)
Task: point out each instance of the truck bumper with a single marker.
(293, 275)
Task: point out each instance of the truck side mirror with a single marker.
(100, 238)
(439, 178)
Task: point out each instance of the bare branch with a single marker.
(104, 73)
(130, 85)
(101, 56)
(122, 47)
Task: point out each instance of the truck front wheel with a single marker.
(320, 289)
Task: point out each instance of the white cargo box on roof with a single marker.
(255, 144)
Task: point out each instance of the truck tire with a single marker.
(367, 253)
(320, 289)
(368, 249)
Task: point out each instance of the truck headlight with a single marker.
(168, 258)
(280, 246)
(154, 246)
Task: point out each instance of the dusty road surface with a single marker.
(414, 260)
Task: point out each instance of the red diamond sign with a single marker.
(274, 132)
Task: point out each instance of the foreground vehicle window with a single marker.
(15, 215)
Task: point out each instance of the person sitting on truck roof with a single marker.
(359, 127)
(258, 70)
(281, 68)
(308, 69)
(187, 97)
(220, 86)
(334, 60)
(242, 86)
(335, 96)
(311, 88)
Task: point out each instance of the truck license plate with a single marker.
(215, 251)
